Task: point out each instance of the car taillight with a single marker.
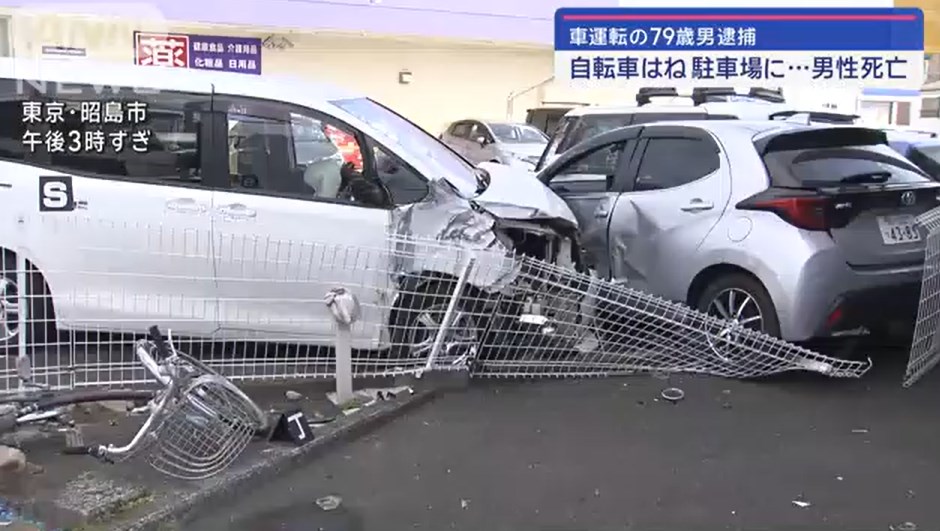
(808, 213)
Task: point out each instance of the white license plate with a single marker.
(898, 229)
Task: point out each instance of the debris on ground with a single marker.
(329, 503)
(12, 460)
(464, 504)
(906, 526)
(293, 395)
(802, 503)
(860, 430)
(673, 394)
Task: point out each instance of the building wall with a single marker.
(450, 79)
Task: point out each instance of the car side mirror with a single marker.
(482, 141)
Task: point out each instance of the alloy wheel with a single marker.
(459, 342)
(739, 309)
(9, 310)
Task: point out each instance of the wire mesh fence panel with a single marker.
(925, 347)
(557, 322)
(250, 306)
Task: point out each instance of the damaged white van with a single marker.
(227, 206)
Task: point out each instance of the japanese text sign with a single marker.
(203, 52)
(827, 47)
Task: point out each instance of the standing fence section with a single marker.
(257, 308)
(925, 348)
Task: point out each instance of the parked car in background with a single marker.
(801, 231)
(502, 142)
(546, 117)
(659, 105)
(921, 148)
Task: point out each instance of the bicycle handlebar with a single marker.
(143, 354)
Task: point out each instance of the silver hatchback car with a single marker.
(802, 231)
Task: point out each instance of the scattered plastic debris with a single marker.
(906, 526)
(839, 478)
(293, 395)
(673, 394)
(802, 503)
(329, 503)
(860, 430)
(464, 504)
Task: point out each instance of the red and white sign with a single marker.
(161, 49)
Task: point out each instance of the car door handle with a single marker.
(603, 209)
(697, 205)
(236, 211)
(186, 205)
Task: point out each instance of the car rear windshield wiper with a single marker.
(871, 177)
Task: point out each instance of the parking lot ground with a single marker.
(610, 454)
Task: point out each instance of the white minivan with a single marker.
(230, 211)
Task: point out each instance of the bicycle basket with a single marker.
(205, 430)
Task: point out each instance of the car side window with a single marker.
(15, 104)
(479, 131)
(671, 162)
(405, 185)
(302, 155)
(118, 133)
(601, 161)
(460, 130)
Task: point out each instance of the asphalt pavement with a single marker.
(799, 451)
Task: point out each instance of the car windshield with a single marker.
(415, 141)
(518, 134)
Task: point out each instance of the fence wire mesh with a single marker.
(925, 347)
(563, 323)
(252, 307)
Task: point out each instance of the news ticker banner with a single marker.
(777, 47)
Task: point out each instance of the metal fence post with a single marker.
(24, 367)
(345, 308)
(449, 313)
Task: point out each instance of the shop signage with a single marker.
(200, 52)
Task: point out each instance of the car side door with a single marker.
(289, 231)
(590, 183)
(678, 189)
(130, 246)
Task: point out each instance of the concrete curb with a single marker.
(342, 430)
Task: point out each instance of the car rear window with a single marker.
(650, 117)
(593, 125)
(810, 168)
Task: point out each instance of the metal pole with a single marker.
(346, 310)
(449, 313)
(22, 304)
(344, 385)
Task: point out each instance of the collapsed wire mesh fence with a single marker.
(925, 347)
(557, 322)
(252, 307)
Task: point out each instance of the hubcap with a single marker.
(9, 310)
(459, 342)
(741, 310)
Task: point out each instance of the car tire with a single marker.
(417, 317)
(718, 294)
(40, 324)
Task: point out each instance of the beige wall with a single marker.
(450, 80)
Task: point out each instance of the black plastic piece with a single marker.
(702, 95)
(158, 341)
(646, 94)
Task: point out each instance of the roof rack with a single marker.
(646, 94)
(771, 95)
(817, 116)
(702, 95)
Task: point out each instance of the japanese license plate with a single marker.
(898, 229)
